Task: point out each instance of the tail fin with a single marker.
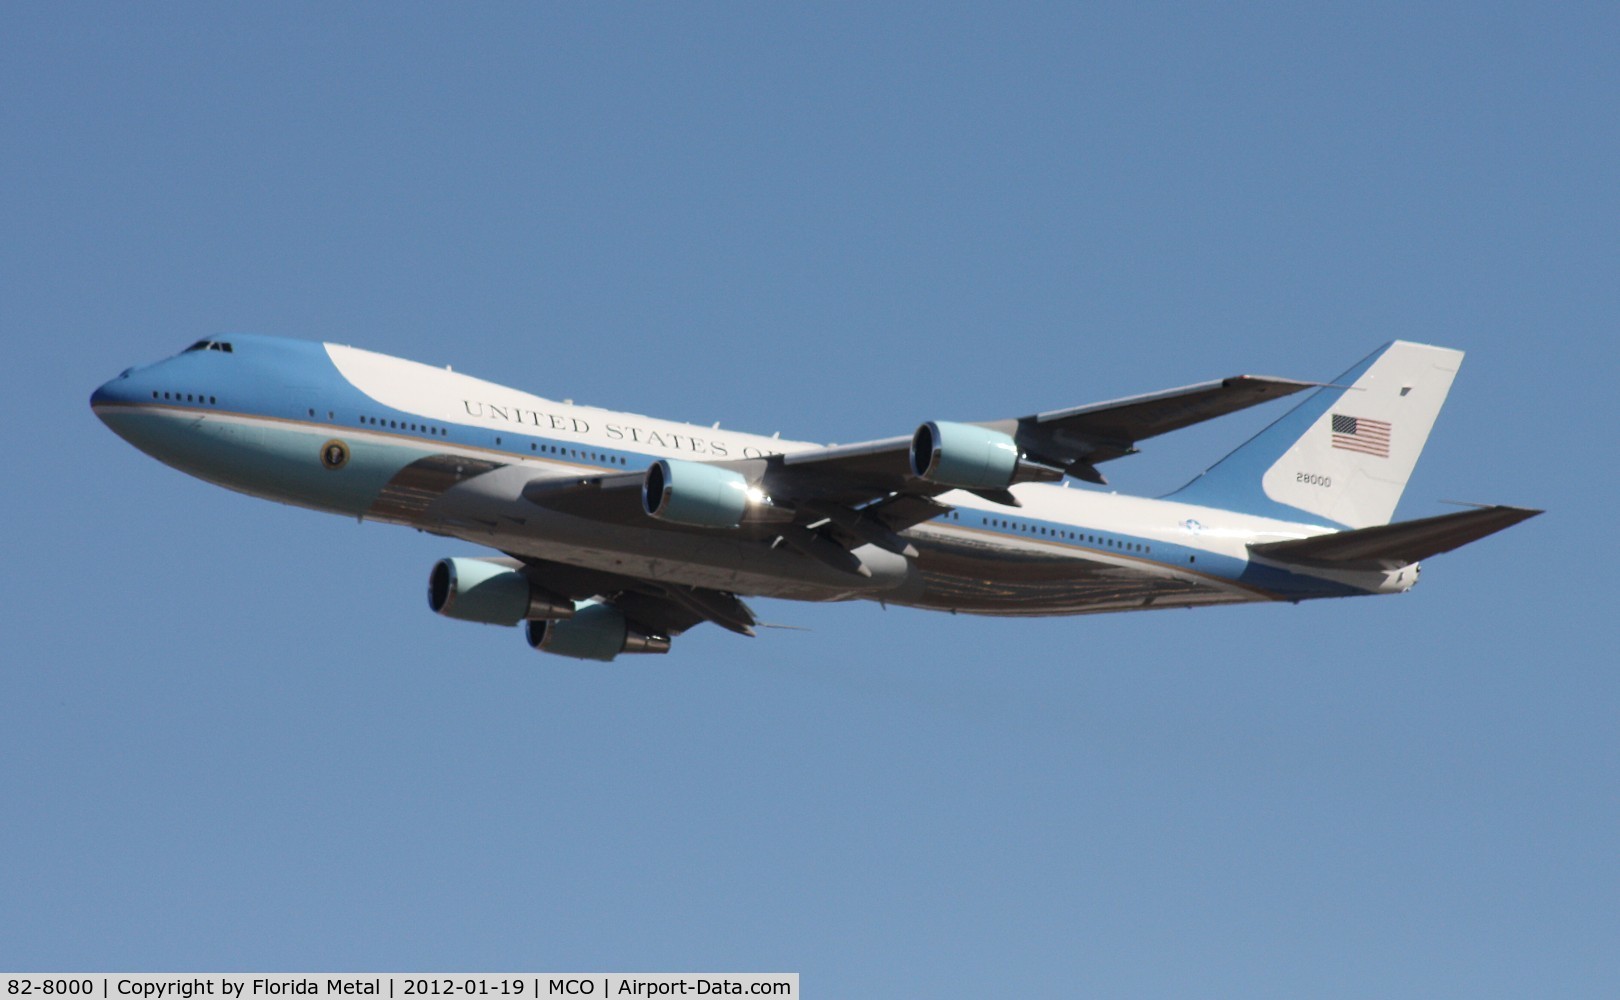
(1342, 456)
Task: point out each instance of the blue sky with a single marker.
(235, 738)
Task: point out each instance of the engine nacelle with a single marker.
(596, 632)
(694, 494)
(964, 456)
(483, 590)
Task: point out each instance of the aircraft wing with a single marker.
(1100, 432)
(1071, 441)
(851, 474)
(824, 521)
(655, 608)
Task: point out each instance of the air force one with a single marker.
(619, 532)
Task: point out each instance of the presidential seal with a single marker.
(334, 454)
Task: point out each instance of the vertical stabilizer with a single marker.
(1344, 455)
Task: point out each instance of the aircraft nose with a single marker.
(114, 391)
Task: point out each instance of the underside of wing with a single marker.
(614, 498)
(656, 609)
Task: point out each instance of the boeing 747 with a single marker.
(618, 532)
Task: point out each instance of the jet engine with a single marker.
(964, 456)
(596, 632)
(490, 591)
(695, 494)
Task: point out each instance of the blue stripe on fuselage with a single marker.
(1275, 581)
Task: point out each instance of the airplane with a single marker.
(617, 532)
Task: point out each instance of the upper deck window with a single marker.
(208, 345)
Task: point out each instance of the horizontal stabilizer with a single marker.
(1387, 546)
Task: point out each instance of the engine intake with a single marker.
(491, 592)
(694, 494)
(964, 456)
(596, 632)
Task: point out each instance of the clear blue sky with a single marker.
(234, 737)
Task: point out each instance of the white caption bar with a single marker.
(392, 985)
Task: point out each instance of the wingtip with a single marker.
(1525, 512)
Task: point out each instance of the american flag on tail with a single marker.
(1370, 437)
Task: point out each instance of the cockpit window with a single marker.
(208, 345)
